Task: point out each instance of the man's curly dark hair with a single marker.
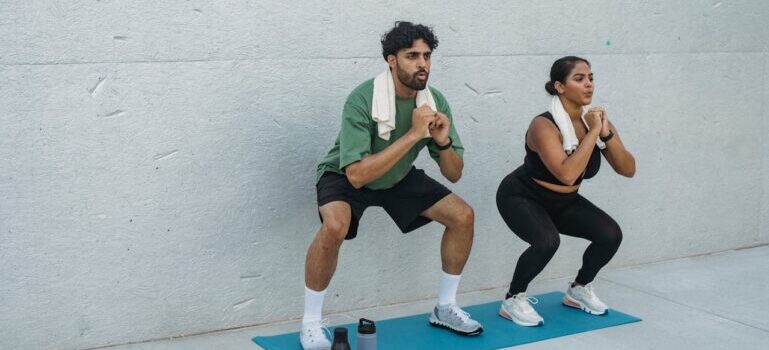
(403, 36)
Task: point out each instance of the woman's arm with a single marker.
(615, 153)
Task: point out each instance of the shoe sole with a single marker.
(441, 324)
(507, 315)
(570, 302)
(320, 348)
(314, 348)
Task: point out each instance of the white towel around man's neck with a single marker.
(563, 121)
(383, 103)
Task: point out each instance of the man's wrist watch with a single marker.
(444, 147)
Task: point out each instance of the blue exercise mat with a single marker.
(414, 332)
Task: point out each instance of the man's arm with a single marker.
(373, 166)
(449, 161)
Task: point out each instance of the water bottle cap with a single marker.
(340, 331)
(366, 326)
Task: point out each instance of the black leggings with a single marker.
(537, 214)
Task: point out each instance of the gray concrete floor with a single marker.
(717, 301)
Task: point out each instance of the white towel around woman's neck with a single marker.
(383, 103)
(563, 121)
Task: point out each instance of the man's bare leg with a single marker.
(324, 250)
(318, 270)
(459, 219)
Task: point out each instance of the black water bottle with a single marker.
(340, 339)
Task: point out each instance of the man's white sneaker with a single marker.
(454, 319)
(519, 310)
(583, 297)
(315, 335)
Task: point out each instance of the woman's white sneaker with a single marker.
(519, 310)
(584, 298)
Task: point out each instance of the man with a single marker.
(386, 122)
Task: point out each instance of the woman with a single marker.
(539, 199)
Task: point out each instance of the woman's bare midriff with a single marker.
(556, 188)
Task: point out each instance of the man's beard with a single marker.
(411, 81)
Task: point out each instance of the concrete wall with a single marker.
(158, 159)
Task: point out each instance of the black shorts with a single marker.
(404, 202)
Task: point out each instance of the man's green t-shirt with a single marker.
(358, 136)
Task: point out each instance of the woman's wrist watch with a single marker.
(607, 137)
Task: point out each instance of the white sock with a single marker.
(313, 305)
(448, 292)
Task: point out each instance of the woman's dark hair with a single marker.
(560, 71)
(403, 35)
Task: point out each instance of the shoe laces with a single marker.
(526, 301)
(590, 292)
(318, 329)
(595, 297)
(462, 314)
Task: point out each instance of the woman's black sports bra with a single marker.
(538, 170)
